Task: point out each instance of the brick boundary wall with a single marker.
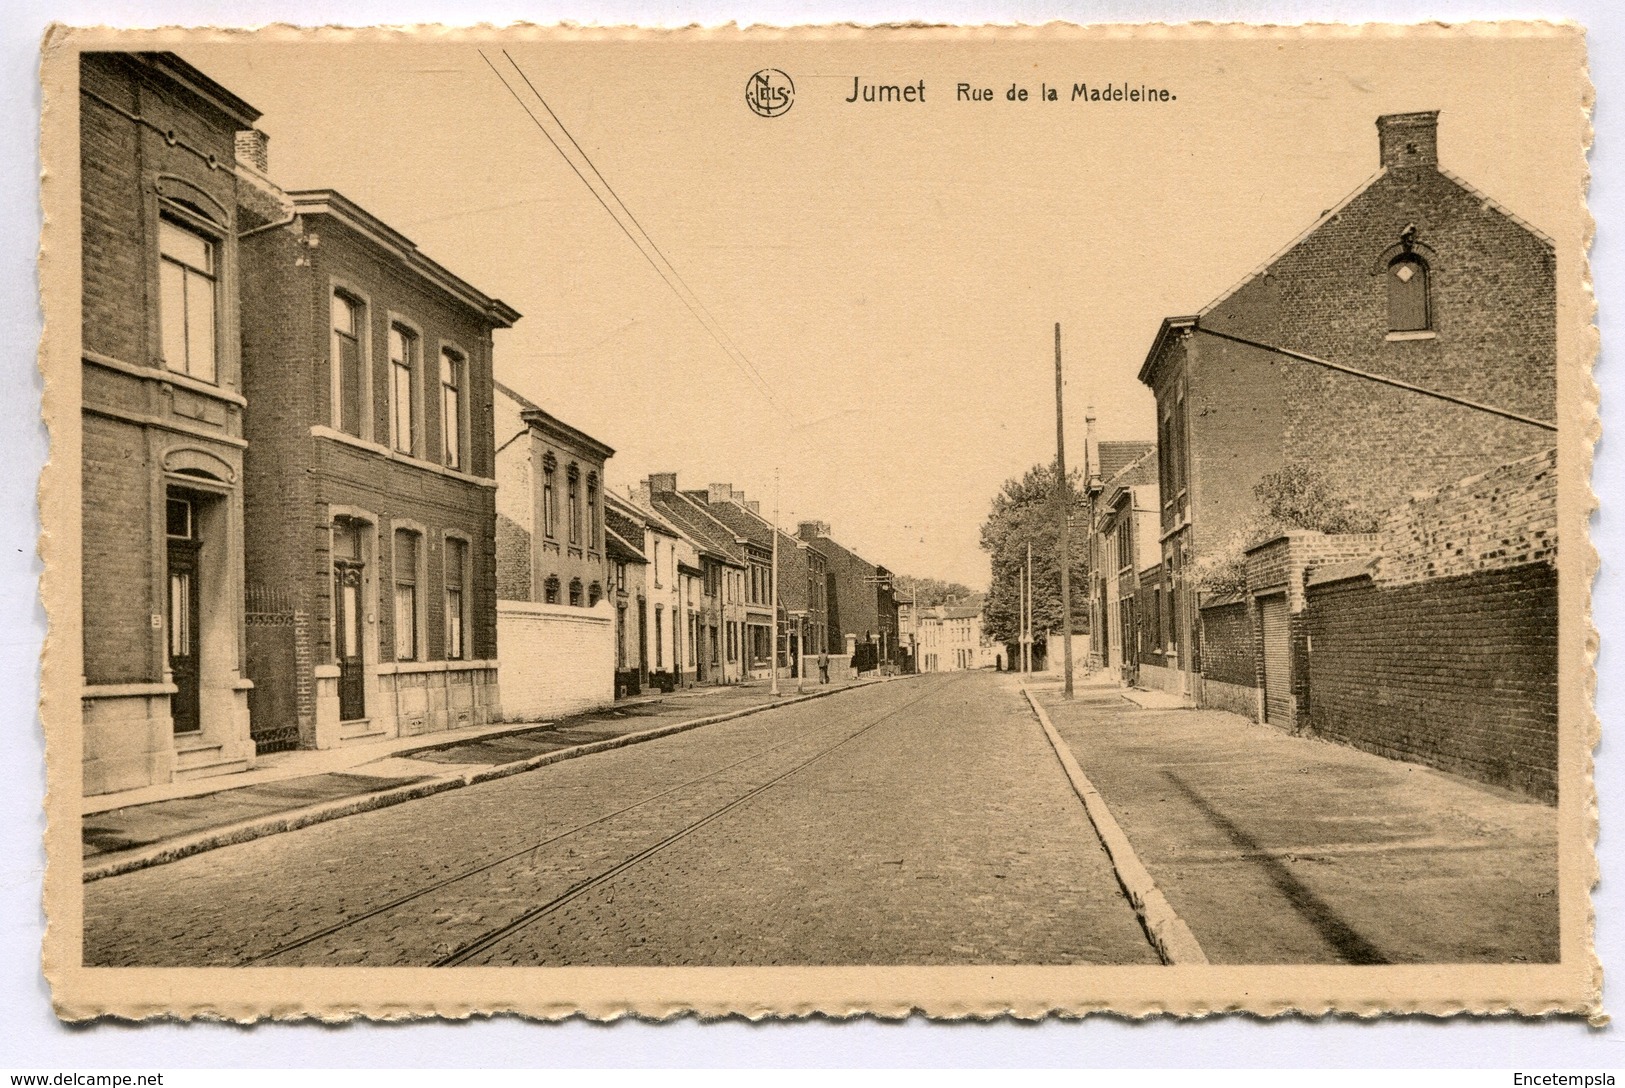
(1227, 642)
(1456, 673)
(1445, 652)
(1501, 518)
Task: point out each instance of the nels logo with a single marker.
(769, 92)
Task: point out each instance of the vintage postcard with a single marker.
(974, 521)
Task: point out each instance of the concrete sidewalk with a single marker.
(1281, 849)
(294, 789)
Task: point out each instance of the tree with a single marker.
(1024, 512)
(1292, 498)
(930, 592)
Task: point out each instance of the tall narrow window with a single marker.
(660, 655)
(549, 500)
(403, 383)
(451, 407)
(1408, 295)
(186, 309)
(593, 534)
(575, 592)
(406, 595)
(456, 564)
(347, 384)
(574, 504)
(550, 590)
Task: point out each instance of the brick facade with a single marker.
(162, 592)
(860, 602)
(1232, 412)
(422, 487)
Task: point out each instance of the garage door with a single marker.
(1277, 660)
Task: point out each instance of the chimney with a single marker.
(812, 530)
(640, 495)
(1409, 139)
(739, 497)
(1091, 446)
(662, 482)
(253, 149)
(719, 493)
(754, 507)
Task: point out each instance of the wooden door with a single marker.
(183, 639)
(347, 620)
(1278, 706)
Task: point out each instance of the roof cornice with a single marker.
(332, 203)
(557, 429)
(1171, 327)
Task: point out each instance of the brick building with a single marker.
(744, 517)
(166, 693)
(951, 640)
(659, 599)
(714, 610)
(676, 584)
(628, 576)
(553, 571)
(370, 478)
(550, 507)
(1123, 542)
(860, 601)
(1416, 279)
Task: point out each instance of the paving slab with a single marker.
(143, 825)
(1277, 848)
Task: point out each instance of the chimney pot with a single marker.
(1409, 139)
(253, 148)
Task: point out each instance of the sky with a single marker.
(893, 272)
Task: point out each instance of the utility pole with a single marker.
(1027, 613)
(773, 579)
(1063, 504)
(1021, 620)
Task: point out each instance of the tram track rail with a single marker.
(471, 948)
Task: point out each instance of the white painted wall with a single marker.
(553, 659)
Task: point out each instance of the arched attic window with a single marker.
(1408, 302)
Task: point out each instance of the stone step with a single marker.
(210, 769)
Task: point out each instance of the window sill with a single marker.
(1420, 334)
(331, 434)
(171, 377)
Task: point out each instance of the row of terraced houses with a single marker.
(1393, 372)
(311, 515)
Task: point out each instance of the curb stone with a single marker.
(264, 826)
(1169, 934)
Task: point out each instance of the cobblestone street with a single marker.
(924, 821)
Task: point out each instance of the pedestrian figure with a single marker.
(823, 666)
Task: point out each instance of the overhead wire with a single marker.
(669, 272)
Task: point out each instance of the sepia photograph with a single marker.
(970, 520)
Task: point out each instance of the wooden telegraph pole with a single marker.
(1063, 511)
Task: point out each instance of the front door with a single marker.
(1129, 643)
(347, 640)
(643, 641)
(183, 635)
